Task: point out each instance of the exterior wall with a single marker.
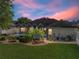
(64, 32)
(77, 38)
(13, 30)
(10, 31)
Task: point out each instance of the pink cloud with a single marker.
(26, 3)
(55, 3)
(34, 4)
(69, 13)
(23, 13)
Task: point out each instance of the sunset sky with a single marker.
(58, 9)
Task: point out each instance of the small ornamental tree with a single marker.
(35, 33)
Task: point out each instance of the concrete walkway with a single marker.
(46, 42)
(63, 42)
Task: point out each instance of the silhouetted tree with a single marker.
(22, 21)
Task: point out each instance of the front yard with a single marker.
(50, 51)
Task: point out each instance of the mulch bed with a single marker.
(33, 43)
(8, 42)
(36, 44)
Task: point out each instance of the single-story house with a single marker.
(66, 33)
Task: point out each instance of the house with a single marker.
(56, 30)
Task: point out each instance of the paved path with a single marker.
(46, 42)
(72, 42)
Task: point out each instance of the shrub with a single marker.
(11, 38)
(3, 37)
(38, 34)
(35, 33)
(32, 34)
(69, 38)
(24, 38)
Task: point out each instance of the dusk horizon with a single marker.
(57, 9)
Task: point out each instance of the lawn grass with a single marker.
(50, 51)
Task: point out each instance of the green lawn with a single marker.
(50, 51)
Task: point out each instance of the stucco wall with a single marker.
(10, 31)
(77, 38)
(64, 32)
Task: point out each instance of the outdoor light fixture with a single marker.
(50, 31)
(23, 29)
